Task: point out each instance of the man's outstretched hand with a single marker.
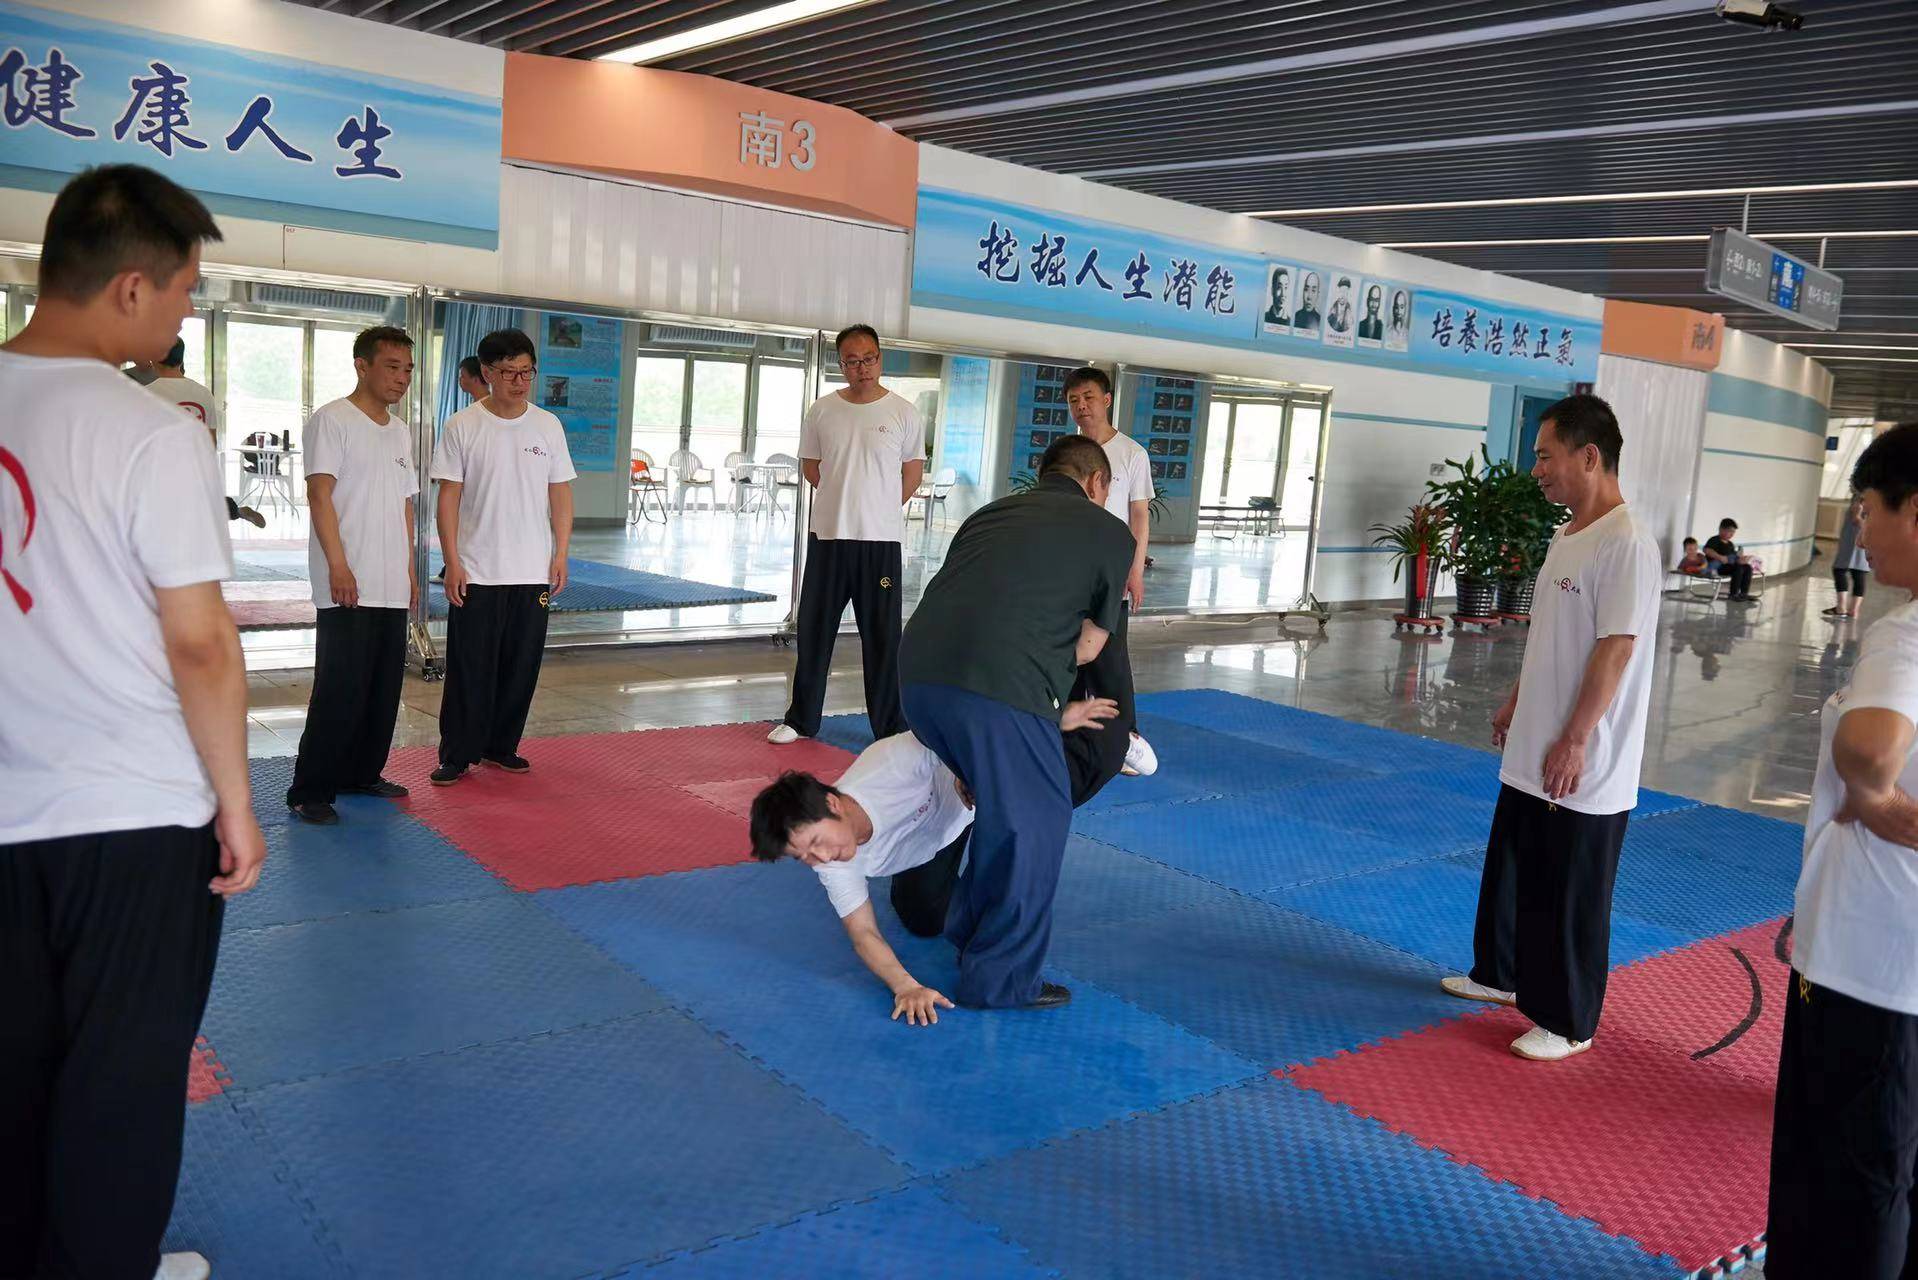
(919, 1006)
(1088, 713)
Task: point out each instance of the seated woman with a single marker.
(1845, 1131)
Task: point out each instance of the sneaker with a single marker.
(447, 774)
(1465, 989)
(1141, 761)
(512, 764)
(255, 519)
(183, 1266)
(782, 734)
(381, 788)
(1051, 996)
(1541, 1045)
(316, 812)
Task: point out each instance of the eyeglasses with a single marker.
(858, 362)
(515, 375)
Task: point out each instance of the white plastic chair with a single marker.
(740, 476)
(692, 474)
(942, 486)
(645, 481)
(786, 479)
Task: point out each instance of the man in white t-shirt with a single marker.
(863, 450)
(1573, 731)
(898, 811)
(360, 484)
(195, 399)
(124, 795)
(1844, 1130)
(505, 519)
(1089, 396)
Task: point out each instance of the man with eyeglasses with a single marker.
(505, 520)
(863, 450)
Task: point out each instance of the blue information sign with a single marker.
(255, 134)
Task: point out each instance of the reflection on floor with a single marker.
(754, 552)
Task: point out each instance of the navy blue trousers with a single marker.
(1000, 918)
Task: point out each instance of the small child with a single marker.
(1694, 561)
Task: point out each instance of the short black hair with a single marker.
(175, 355)
(1079, 377)
(1585, 419)
(367, 344)
(852, 331)
(1691, 542)
(791, 800)
(1889, 465)
(471, 368)
(1077, 456)
(115, 218)
(504, 344)
(1728, 523)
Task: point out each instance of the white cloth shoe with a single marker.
(183, 1266)
(782, 734)
(1141, 761)
(1541, 1045)
(1465, 989)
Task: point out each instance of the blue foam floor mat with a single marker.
(1270, 1180)
(692, 1074)
(304, 999)
(914, 1233)
(1266, 983)
(995, 1081)
(560, 1155)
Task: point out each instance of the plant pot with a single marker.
(1515, 596)
(1477, 598)
(1421, 585)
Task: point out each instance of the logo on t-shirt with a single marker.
(535, 450)
(17, 472)
(400, 462)
(194, 409)
(1566, 584)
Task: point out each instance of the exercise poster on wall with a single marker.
(1165, 414)
(578, 381)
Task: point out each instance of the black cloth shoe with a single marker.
(1051, 996)
(512, 764)
(317, 812)
(447, 774)
(381, 788)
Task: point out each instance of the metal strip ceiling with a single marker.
(1443, 100)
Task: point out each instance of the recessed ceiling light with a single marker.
(746, 24)
(1612, 197)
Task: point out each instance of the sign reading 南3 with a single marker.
(255, 134)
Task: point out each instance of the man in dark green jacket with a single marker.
(987, 664)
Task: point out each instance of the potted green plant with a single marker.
(1415, 543)
(1475, 552)
(1530, 520)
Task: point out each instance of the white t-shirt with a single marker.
(1602, 581)
(372, 469)
(192, 398)
(1856, 928)
(105, 494)
(862, 451)
(504, 466)
(915, 810)
(1131, 475)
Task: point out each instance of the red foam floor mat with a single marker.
(1720, 1000)
(1644, 1141)
(736, 794)
(205, 1077)
(558, 841)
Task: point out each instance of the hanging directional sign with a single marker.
(1752, 272)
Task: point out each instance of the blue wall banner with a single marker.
(1017, 260)
(963, 446)
(257, 135)
(578, 381)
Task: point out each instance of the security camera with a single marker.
(1760, 13)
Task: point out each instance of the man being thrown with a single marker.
(1109, 675)
(1573, 731)
(988, 660)
(898, 811)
